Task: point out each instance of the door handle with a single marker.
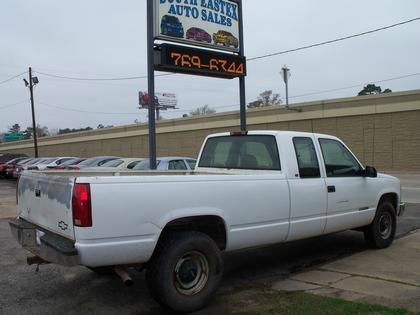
(331, 189)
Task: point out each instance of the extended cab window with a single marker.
(306, 157)
(339, 162)
(177, 165)
(257, 152)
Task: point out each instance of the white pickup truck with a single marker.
(248, 189)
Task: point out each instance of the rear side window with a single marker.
(306, 157)
(191, 163)
(339, 162)
(241, 152)
(177, 165)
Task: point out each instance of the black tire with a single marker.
(381, 232)
(185, 271)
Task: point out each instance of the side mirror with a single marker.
(370, 172)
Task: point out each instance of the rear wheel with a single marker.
(381, 232)
(185, 272)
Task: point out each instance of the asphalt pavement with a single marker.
(410, 186)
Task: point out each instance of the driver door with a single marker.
(349, 198)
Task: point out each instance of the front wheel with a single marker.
(381, 232)
(185, 272)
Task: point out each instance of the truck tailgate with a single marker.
(45, 200)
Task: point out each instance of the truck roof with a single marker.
(273, 133)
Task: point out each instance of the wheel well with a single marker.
(392, 198)
(213, 226)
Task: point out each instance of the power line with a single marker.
(14, 77)
(85, 111)
(233, 105)
(117, 113)
(333, 40)
(248, 59)
(356, 85)
(99, 79)
(14, 104)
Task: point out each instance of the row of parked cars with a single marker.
(13, 167)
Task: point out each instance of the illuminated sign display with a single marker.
(209, 23)
(188, 60)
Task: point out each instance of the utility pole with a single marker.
(32, 82)
(285, 72)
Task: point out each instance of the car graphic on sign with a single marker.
(171, 26)
(198, 35)
(226, 39)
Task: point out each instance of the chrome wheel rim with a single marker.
(191, 273)
(385, 225)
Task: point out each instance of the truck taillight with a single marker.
(82, 208)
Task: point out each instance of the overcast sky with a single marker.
(104, 38)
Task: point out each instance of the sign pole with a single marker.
(151, 84)
(242, 95)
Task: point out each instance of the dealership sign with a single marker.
(181, 59)
(208, 23)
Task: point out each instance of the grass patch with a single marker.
(264, 301)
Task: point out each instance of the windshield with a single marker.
(69, 162)
(113, 163)
(89, 162)
(172, 19)
(144, 165)
(47, 161)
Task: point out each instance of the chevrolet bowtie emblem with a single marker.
(63, 225)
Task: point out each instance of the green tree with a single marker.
(372, 89)
(40, 132)
(204, 110)
(68, 130)
(15, 128)
(266, 98)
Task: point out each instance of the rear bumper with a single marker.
(49, 246)
(401, 209)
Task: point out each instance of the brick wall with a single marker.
(383, 131)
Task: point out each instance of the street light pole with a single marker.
(31, 89)
(151, 85)
(285, 72)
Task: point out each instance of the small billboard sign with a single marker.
(208, 23)
(163, 101)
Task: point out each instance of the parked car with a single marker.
(4, 166)
(118, 164)
(29, 166)
(198, 35)
(170, 163)
(171, 26)
(92, 162)
(248, 189)
(51, 162)
(11, 168)
(10, 156)
(66, 164)
(226, 39)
